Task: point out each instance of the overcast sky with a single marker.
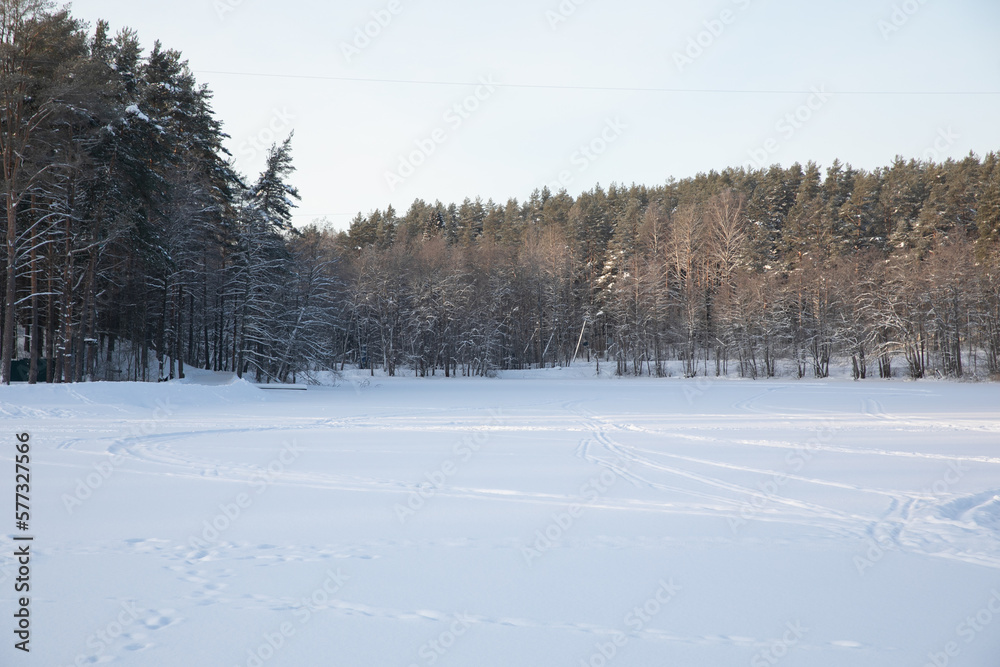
(591, 91)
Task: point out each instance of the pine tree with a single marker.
(904, 192)
(767, 211)
(263, 267)
(988, 209)
(804, 232)
(859, 216)
(35, 44)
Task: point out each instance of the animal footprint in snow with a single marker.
(161, 619)
(208, 592)
(138, 647)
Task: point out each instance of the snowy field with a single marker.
(545, 519)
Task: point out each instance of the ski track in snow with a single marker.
(651, 452)
(930, 528)
(155, 448)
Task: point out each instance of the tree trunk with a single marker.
(6, 354)
(50, 327)
(33, 364)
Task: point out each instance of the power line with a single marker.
(617, 89)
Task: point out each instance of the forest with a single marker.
(749, 272)
(134, 250)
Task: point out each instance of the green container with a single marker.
(20, 370)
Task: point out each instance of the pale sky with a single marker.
(592, 91)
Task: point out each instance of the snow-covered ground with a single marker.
(544, 519)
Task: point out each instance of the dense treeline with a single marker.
(746, 272)
(132, 246)
(134, 250)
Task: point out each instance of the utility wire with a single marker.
(618, 89)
